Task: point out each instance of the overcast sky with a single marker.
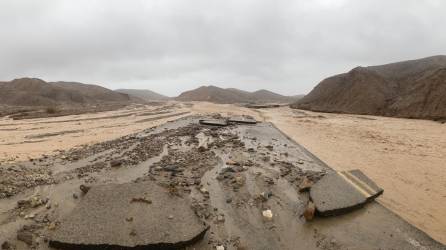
(172, 46)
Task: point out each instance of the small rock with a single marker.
(309, 211)
(133, 232)
(220, 247)
(48, 206)
(141, 199)
(84, 188)
(269, 180)
(220, 218)
(115, 163)
(7, 246)
(204, 190)
(300, 162)
(227, 170)
(129, 219)
(25, 236)
(267, 214)
(239, 180)
(30, 216)
(52, 226)
(232, 162)
(170, 217)
(75, 196)
(172, 168)
(228, 200)
(305, 185)
(264, 196)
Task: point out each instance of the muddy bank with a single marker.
(242, 181)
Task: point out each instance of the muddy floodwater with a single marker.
(224, 173)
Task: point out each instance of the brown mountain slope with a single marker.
(425, 99)
(411, 89)
(144, 94)
(232, 95)
(36, 92)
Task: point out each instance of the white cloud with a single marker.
(170, 46)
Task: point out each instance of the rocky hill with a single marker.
(36, 92)
(232, 95)
(412, 89)
(144, 94)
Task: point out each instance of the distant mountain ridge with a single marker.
(36, 92)
(144, 94)
(232, 95)
(412, 89)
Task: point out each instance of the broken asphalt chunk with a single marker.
(97, 222)
(214, 122)
(242, 119)
(341, 192)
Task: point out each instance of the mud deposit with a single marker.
(242, 181)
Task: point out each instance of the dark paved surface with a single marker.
(341, 192)
(117, 216)
(361, 179)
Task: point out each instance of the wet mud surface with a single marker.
(244, 181)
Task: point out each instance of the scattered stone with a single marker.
(32, 202)
(170, 217)
(129, 219)
(25, 236)
(172, 168)
(30, 216)
(220, 247)
(309, 211)
(229, 200)
(204, 190)
(7, 246)
(84, 188)
(305, 185)
(141, 199)
(75, 196)
(220, 218)
(232, 162)
(239, 180)
(264, 196)
(52, 226)
(115, 163)
(268, 180)
(267, 214)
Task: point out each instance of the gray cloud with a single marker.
(171, 46)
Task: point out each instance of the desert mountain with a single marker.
(232, 95)
(36, 92)
(412, 89)
(144, 94)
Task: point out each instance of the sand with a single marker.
(24, 139)
(405, 157)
